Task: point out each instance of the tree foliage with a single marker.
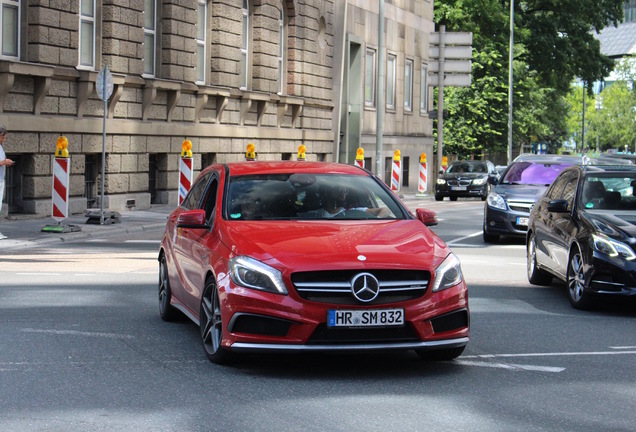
(553, 44)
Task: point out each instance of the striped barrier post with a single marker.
(185, 170)
(61, 177)
(422, 184)
(396, 172)
(360, 157)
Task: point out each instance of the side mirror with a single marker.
(492, 179)
(192, 219)
(427, 217)
(558, 206)
(441, 172)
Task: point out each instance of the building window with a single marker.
(390, 81)
(408, 85)
(245, 44)
(201, 40)
(150, 46)
(281, 53)
(10, 34)
(369, 79)
(87, 34)
(424, 90)
(406, 160)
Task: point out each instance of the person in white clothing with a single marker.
(4, 163)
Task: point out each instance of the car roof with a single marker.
(609, 168)
(555, 158)
(282, 167)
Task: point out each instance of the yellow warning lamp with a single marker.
(360, 154)
(250, 155)
(423, 158)
(396, 155)
(62, 147)
(186, 148)
(301, 152)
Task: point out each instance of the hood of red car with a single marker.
(320, 245)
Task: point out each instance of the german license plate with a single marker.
(365, 318)
(459, 188)
(522, 221)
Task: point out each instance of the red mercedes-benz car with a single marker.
(301, 256)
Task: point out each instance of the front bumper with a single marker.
(259, 321)
(505, 222)
(465, 191)
(612, 276)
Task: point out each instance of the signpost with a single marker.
(104, 87)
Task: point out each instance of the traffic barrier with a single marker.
(360, 157)
(185, 170)
(61, 177)
(396, 172)
(444, 163)
(422, 184)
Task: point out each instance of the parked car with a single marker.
(508, 206)
(583, 232)
(465, 179)
(303, 256)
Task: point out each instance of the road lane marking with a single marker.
(78, 333)
(512, 367)
(556, 354)
(453, 242)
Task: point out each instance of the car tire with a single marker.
(536, 276)
(453, 198)
(440, 355)
(439, 198)
(211, 324)
(579, 297)
(166, 311)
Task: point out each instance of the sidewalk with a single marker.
(25, 231)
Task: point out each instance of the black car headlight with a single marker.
(448, 273)
(251, 273)
(441, 181)
(479, 181)
(611, 247)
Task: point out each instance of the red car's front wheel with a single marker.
(211, 324)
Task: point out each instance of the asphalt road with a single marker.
(82, 348)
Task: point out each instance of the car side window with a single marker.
(192, 200)
(210, 199)
(569, 190)
(557, 186)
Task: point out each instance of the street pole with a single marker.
(583, 121)
(379, 85)
(510, 81)
(440, 99)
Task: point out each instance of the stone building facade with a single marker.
(221, 73)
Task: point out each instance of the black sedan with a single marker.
(583, 232)
(466, 179)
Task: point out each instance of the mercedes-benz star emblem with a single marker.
(365, 287)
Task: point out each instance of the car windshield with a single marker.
(611, 191)
(309, 196)
(533, 173)
(468, 167)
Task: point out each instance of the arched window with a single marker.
(245, 44)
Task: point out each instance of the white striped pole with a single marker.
(360, 157)
(396, 172)
(422, 185)
(185, 169)
(61, 175)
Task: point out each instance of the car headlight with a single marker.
(441, 181)
(496, 201)
(479, 181)
(250, 273)
(448, 273)
(612, 247)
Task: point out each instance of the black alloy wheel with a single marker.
(579, 297)
(166, 311)
(441, 354)
(439, 198)
(452, 198)
(211, 324)
(536, 276)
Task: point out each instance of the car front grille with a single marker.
(521, 207)
(351, 336)
(459, 182)
(335, 286)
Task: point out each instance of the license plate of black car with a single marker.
(365, 317)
